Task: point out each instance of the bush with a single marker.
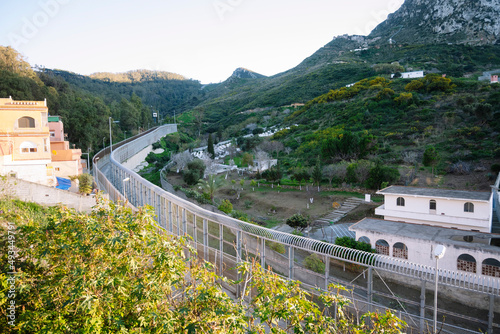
(226, 206)
(276, 246)
(314, 263)
(380, 174)
(191, 177)
(85, 183)
(495, 168)
(297, 221)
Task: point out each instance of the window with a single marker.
(400, 250)
(468, 207)
(382, 247)
(467, 263)
(26, 122)
(52, 133)
(28, 147)
(57, 169)
(432, 205)
(45, 144)
(400, 201)
(491, 267)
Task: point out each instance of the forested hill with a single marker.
(137, 76)
(163, 92)
(84, 113)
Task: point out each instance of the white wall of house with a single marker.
(421, 251)
(411, 75)
(30, 170)
(449, 212)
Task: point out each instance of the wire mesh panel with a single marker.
(225, 241)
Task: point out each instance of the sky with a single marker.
(205, 40)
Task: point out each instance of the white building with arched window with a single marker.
(466, 210)
(418, 219)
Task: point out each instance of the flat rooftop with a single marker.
(436, 193)
(441, 235)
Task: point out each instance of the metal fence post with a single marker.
(239, 237)
(184, 222)
(263, 253)
(170, 218)
(195, 231)
(422, 308)
(290, 261)
(369, 295)
(491, 314)
(205, 239)
(327, 271)
(221, 248)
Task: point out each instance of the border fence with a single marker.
(226, 241)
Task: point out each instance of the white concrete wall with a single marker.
(421, 251)
(34, 192)
(31, 170)
(449, 212)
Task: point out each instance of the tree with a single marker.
(75, 278)
(380, 174)
(210, 185)
(317, 176)
(182, 160)
(247, 160)
(431, 157)
(297, 221)
(300, 175)
(210, 148)
(195, 171)
(226, 206)
(329, 173)
(198, 114)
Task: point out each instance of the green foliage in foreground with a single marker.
(111, 271)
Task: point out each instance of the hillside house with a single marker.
(65, 161)
(416, 220)
(410, 75)
(25, 145)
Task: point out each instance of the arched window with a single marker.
(28, 147)
(491, 267)
(366, 240)
(400, 201)
(400, 250)
(468, 207)
(432, 205)
(467, 263)
(26, 122)
(382, 247)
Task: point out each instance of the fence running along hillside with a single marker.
(225, 241)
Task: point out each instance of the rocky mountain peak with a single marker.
(475, 22)
(244, 73)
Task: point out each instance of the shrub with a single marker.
(226, 206)
(314, 263)
(276, 246)
(495, 168)
(380, 174)
(85, 183)
(297, 221)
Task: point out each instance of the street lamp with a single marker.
(439, 251)
(124, 191)
(110, 134)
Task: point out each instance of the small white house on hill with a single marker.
(411, 75)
